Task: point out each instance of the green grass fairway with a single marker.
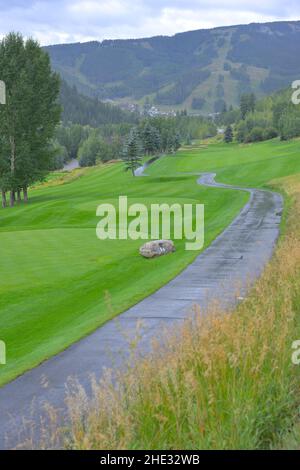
(59, 282)
(251, 165)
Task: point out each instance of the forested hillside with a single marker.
(199, 70)
(79, 109)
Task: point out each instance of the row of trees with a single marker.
(29, 117)
(154, 136)
(163, 135)
(150, 138)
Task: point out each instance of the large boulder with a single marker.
(157, 248)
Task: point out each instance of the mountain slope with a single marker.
(84, 110)
(198, 69)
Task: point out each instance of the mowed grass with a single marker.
(221, 382)
(252, 165)
(58, 282)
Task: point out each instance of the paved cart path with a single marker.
(236, 257)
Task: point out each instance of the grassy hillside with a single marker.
(59, 282)
(198, 70)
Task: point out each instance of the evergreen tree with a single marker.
(176, 142)
(228, 136)
(244, 106)
(132, 152)
(247, 104)
(150, 137)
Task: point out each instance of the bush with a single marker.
(241, 131)
(289, 125)
(256, 135)
(270, 133)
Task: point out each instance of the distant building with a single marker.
(153, 112)
(147, 110)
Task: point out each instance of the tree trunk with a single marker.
(12, 155)
(19, 199)
(12, 168)
(12, 198)
(3, 193)
(25, 192)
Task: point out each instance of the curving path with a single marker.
(236, 257)
(71, 165)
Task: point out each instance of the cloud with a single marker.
(59, 21)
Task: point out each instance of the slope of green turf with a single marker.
(251, 165)
(58, 282)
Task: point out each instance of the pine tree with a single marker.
(228, 136)
(247, 104)
(151, 139)
(132, 152)
(176, 142)
(244, 106)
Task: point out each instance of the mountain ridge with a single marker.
(198, 70)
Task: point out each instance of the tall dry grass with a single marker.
(225, 382)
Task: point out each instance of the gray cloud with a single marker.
(80, 20)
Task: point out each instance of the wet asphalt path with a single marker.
(234, 259)
(71, 165)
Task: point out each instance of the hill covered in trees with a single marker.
(199, 70)
(80, 109)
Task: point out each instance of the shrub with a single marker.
(256, 135)
(270, 133)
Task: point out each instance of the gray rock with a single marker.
(157, 248)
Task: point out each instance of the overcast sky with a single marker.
(61, 21)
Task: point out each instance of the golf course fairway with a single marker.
(59, 282)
